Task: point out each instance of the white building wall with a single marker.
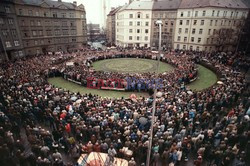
(131, 29)
(214, 19)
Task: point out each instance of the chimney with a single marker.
(59, 0)
(75, 3)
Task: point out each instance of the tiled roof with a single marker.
(52, 4)
(140, 5)
(212, 3)
(166, 4)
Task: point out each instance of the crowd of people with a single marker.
(44, 125)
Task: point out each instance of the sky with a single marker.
(94, 11)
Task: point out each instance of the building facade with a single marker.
(133, 24)
(208, 25)
(110, 29)
(167, 12)
(10, 39)
(50, 26)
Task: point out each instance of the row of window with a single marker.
(8, 44)
(46, 14)
(138, 38)
(192, 39)
(48, 23)
(138, 31)
(57, 40)
(10, 21)
(214, 13)
(138, 15)
(212, 22)
(138, 23)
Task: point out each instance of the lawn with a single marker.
(131, 65)
(206, 78)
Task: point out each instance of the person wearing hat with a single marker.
(132, 162)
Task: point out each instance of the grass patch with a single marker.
(131, 65)
(206, 78)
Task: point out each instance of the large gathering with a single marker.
(125, 83)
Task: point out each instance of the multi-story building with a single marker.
(110, 32)
(133, 24)
(50, 26)
(10, 40)
(209, 25)
(167, 12)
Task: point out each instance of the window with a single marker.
(204, 13)
(221, 22)
(197, 48)
(138, 15)
(138, 37)
(20, 12)
(30, 13)
(130, 15)
(130, 38)
(211, 22)
(63, 15)
(130, 30)
(54, 15)
(5, 33)
(138, 23)
(13, 32)
(207, 40)
(146, 30)
(209, 31)
(38, 23)
(178, 46)
(195, 22)
(229, 23)
(181, 14)
(225, 13)
(34, 33)
(218, 13)
(199, 40)
(146, 38)
(16, 43)
(214, 31)
(1, 21)
(37, 13)
(193, 31)
(202, 22)
(10, 20)
(184, 47)
(138, 30)
(187, 22)
(180, 22)
(147, 15)
(200, 31)
(186, 30)
(231, 14)
(216, 22)
(179, 30)
(236, 14)
(196, 13)
(146, 23)
(8, 44)
(191, 47)
(179, 38)
(192, 39)
(172, 23)
(189, 13)
(130, 23)
(36, 42)
(7, 9)
(185, 39)
(32, 23)
(213, 13)
(212, 40)
(40, 33)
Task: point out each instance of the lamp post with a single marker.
(159, 23)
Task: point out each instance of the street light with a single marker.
(159, 23)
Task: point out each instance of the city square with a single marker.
(128, 83)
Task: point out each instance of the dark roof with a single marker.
(112, 12)
(166, 4)
(247, 2)
(51, 3)
(213, 3)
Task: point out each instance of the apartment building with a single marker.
(209, 25)
(10, 39)
(167, 12)
(133, 24)
(50, 26)
(110, 32)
